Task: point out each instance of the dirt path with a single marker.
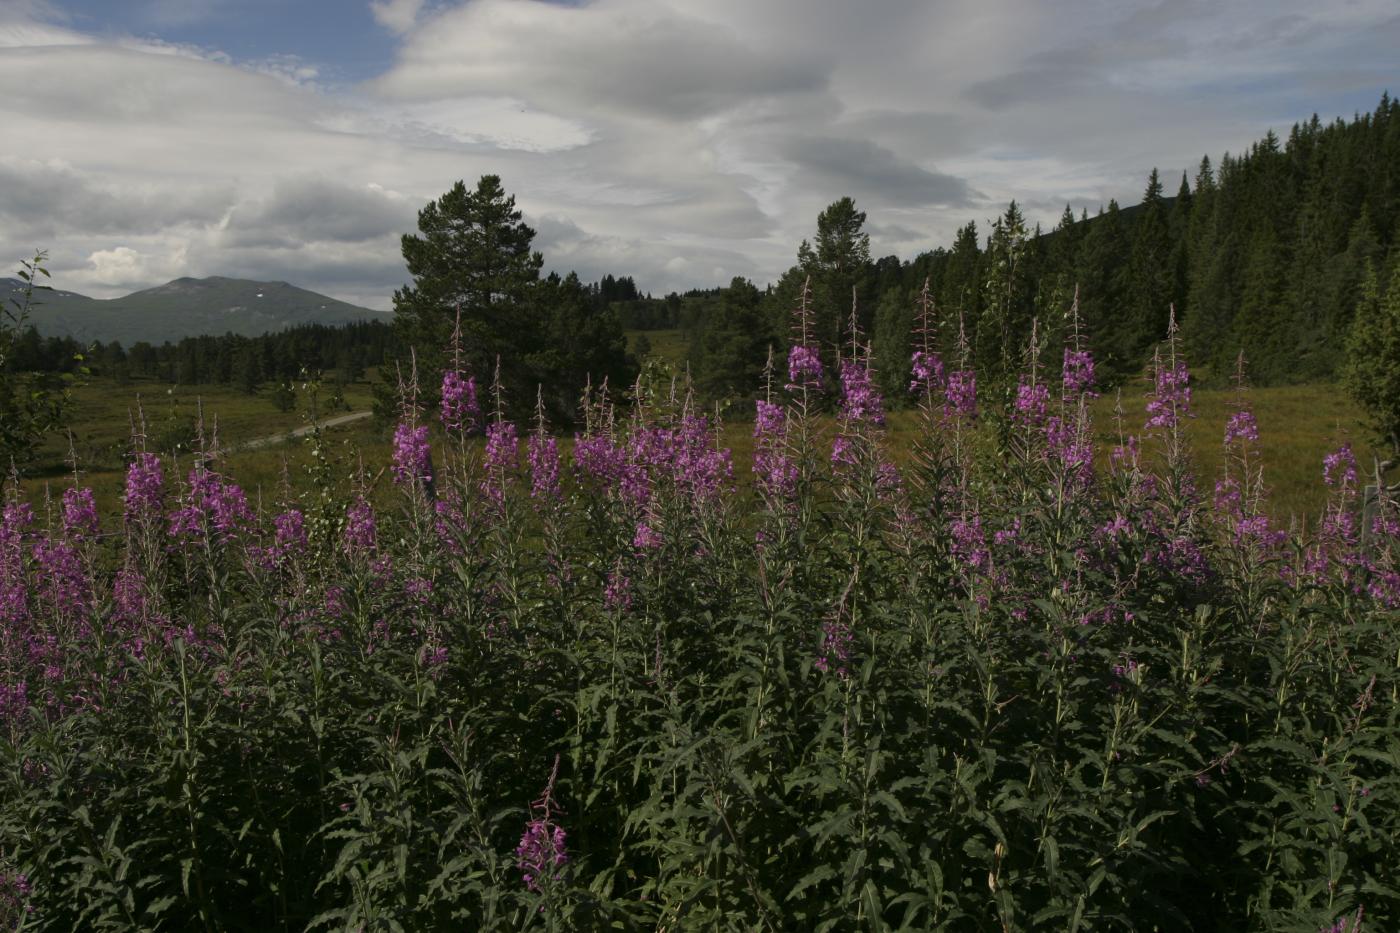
(271, 439)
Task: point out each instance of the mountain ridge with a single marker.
(185, 307)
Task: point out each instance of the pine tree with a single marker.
(472, 253)
(836, 262)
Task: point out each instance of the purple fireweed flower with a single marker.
(61, 581)
(145, 487)
(1241, 427)
(1181, 557)
(212, 500)
(460, 409)
(1078, 373)
(697, 467)
(927, 372)
(886, 477)
(1068, 444)
(541, 848)
(543, 457)
(1170, 397)
(960, 395)
(646, 537)
(541, 854)
(843, 451)
(1032, 400)
(15, 519)
(1384, 588)
(79, 513)
(334, 604)
(360, 533)
(1256, 529)
(1007, 536)
(413, 456)
(970, 543)
(1228, 497)
(617, 592)
(501, 458)
(775, 471)
(1339, 467)
(770, 421)
(598, 458)
(804, 368)
(860, 401)
(502, 446)
(419, 590)
(288, 537)
(1112, 530)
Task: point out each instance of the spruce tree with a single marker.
(1150, 277)
(1372, 372)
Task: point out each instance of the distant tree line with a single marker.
(349, 350)
(1267, 252)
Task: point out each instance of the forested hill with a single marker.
(187, 307)
(1264, 251)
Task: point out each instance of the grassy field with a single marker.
(1297, 426)
(666, 345)
(104, 413)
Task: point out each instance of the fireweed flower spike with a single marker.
(79, 513)
(413, 456)
(145, 488)
(543, 457)
(804, 368)
(541, 854)
(461, 412)
(501, 458)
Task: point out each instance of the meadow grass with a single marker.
(670, 346)
(1298, 426)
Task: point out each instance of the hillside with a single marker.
(187, 307)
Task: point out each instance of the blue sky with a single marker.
(683, 142)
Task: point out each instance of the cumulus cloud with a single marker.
(397, 15)
(679, 141)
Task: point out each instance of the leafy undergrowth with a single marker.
(989, 689)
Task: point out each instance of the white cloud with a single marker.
(129, 268)
(397, 15)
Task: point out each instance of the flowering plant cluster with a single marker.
(831, 685)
